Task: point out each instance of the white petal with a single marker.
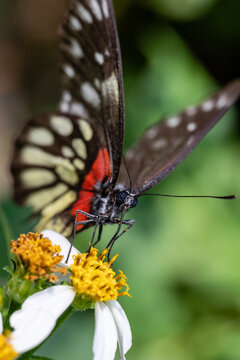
(123, 327)
(38, 315)
(35, 326)
(1, 324)
(55, 300)
(105, 336)
(58, 239)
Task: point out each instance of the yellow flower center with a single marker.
(39, 256)
(94, 278)
(7, 352)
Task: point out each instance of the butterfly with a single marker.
(68, 164)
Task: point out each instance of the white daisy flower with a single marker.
(93, 281)
(31, 326)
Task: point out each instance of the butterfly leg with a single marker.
(129, 224)
(89, 216)
(99, 234)
(90, 219)
(93, 235)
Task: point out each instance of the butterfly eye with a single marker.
(134, 203)
(121, 197)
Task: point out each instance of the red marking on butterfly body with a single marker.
(101, 169)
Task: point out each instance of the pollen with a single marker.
(95, 279)
(7, 352)
(39, 257)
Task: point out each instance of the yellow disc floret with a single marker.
(6, 350)
(95, 279)
(39, 257)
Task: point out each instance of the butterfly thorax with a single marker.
(110, 204)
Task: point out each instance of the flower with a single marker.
(92, 282)
(31, 326)
(38, 256)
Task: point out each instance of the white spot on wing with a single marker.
(78, 109)
(152, 133)
(90, 94)
(208, 105)
(107, 53)
(62, 125)
(191, 126)
(69, 70)
(190, 141)
(75, 23)
(79, 164)
(130, 155)
(173, 121)
(32, 178)
(99, 58)
(80, 148)
(67, 96)
(84, 14)
(105, 8)
(65, 100)
(76, 48)
(222, 101)
(40, 136)
(64, 107)
(96, 9)
(67, 151)
(97, 83)
(191, 110)
(85, 129)
(160, 143)
(110, 88)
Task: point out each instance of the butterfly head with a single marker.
(126, 199)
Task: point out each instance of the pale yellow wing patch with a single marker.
(85, 129)
(31, 178)
(56, 207)
(40, 198)
(62, 125)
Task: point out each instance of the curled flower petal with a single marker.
(31, 328)
(105, 336)
(122, 325)
(54, 300)
(58, 239)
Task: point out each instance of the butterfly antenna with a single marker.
(227, 197)
(128, 173)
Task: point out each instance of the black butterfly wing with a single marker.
(91, 72)
(167, 143)
(53, 155)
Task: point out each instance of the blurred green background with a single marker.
(182, 257)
